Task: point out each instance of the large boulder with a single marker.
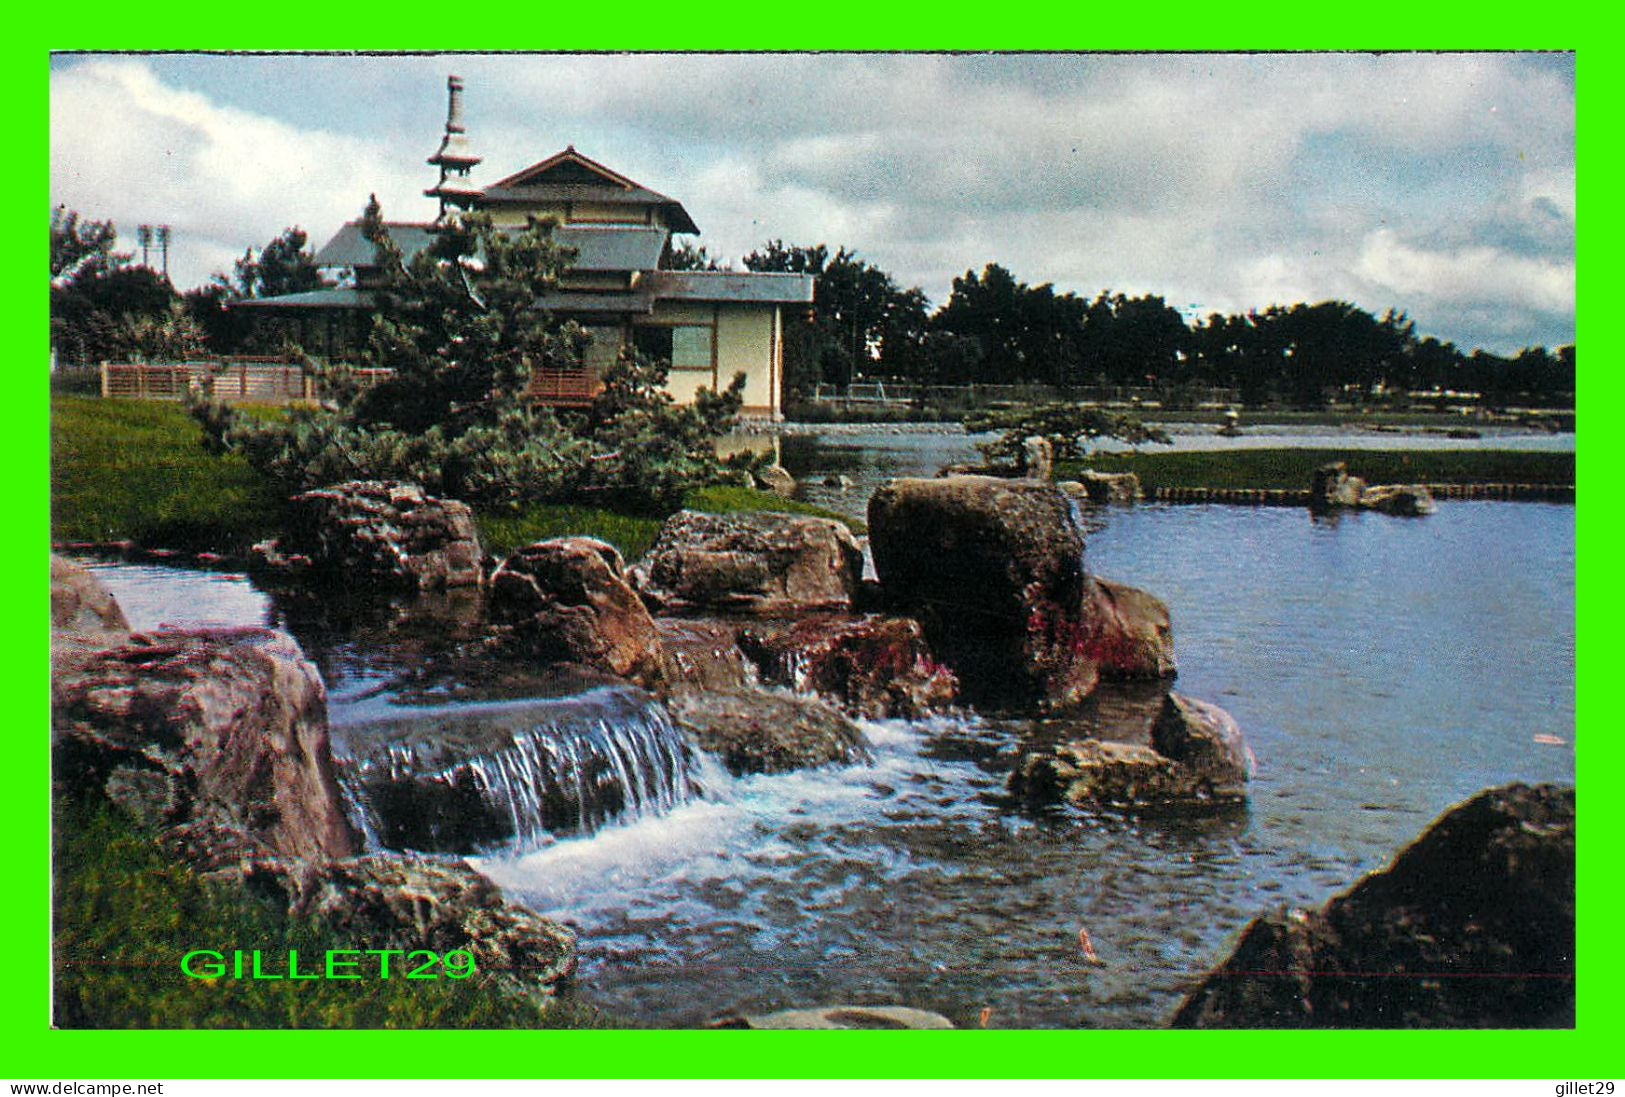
(223, 726)
(416, 903)
(873, 665)
(993, 569)
(1472, 926)
(568, 601)
(1196, 757)
(375, 533)
(751, 563)
(753, 731)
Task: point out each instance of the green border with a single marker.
(37, 1052)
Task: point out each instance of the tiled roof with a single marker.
(725, 286)
(315, 299)
(598, 247)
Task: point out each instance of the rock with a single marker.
(1204, 739)
(993, 569)
(1472, 926)
(1127, 632)
(1037, 457)
(1196, 757)
(758, 732)
(1405, 500)
(777, 479)
(1332, 486)
(838, 1017)
(838, 480)
(702, 654)
(874, 666)
(753, 563)
(568, 600)
(226, 725)
(1104, 487)
(1003, 472)
(377, 533)
(81, 605)
(84, 614)
(387, 901)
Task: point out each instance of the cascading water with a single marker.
(513, 775)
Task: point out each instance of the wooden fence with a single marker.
(564, 387)
(269, 380)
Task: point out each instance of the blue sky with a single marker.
(1441, 185)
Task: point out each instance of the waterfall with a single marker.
(513, 775)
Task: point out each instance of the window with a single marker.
(685, 346)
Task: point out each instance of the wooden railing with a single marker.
(264, 379)
(573, 387)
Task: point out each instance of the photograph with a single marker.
(813, 541)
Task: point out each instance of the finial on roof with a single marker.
(454, 110)
(455, 157)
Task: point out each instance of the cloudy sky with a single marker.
(1442, 185)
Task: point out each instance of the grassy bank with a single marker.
(1294, 468)
(125, 914)
(134, 470)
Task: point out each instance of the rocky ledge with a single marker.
(216, 743)
(384, 534)
(1472, 926)
(1196, 758)
(753, 731)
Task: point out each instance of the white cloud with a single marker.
(1443, 185)
(1468, 276)
(128, 147)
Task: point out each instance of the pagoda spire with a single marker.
(455, 157)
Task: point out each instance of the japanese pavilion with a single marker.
(709, 325)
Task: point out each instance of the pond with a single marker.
(1381, 668)
(869, 455)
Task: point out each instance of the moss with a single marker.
(1294, 468)
(125, 914)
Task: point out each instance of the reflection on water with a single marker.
(1381, 668)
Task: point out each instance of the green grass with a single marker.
(135, 470)
(632, 534)
(1294, 468)
(125, 913)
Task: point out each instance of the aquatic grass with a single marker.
(1295, 468)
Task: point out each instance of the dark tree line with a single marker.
(996, 329)
(107, 307)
